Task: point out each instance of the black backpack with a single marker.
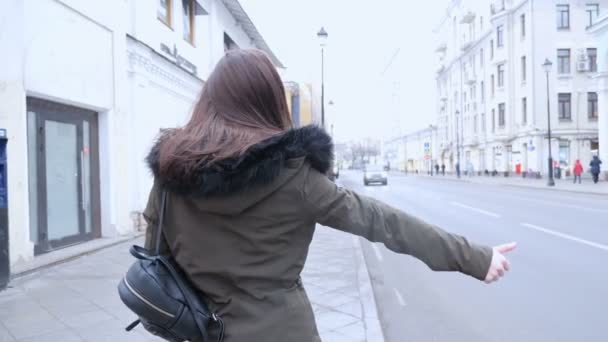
(158, 292)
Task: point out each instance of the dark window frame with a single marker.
(189, 17)
(500, 31)
(168, 20)
(500, 72)
(564, 106)
(563, 16)
(590, 13)
(524, 110)
(592, 105)
(592, 55)
(564, 61)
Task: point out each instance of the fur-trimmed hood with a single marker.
(259, 165)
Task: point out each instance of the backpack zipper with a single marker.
(143, 299)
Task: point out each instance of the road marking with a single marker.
(566, 236)
(377, 251)
(399, 297)
(481, 211)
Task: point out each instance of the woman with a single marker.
(578, 171)
(245, 193)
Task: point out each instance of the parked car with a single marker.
(374, 174)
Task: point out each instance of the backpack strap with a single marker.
(159, 228)
(141, 254)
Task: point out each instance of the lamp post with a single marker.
(547, 66)
(431, 149)
(457, 147)
(322, 35)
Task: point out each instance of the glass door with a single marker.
(61, 195)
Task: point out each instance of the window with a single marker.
(163, 12)
(522, 20)
(501, 114)
(499, 36)
(481, 58)
(475, 123)
(188, 19)
(593, 11)
(523, 69)
(229, 44)
(482, 89)
(564, 106)
(563, 61)
(592, 105)
(483, 122)
(492, 81)
(501, 75)
(524, 110)
(491, 49)
(563, 17)
(493, 120)
(592, 55)
(481, 23)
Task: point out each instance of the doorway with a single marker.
(63, 157)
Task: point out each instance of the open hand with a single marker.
(499, 265)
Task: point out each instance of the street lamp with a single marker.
(457, 147)
(331, 103)
(431, 149)
(547, 67)
(322, 35)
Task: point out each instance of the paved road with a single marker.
(557, 290)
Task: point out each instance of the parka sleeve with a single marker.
(400, 232)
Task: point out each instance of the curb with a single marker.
(554, 189)
(373, 329)
(68, 255)
(522, 186)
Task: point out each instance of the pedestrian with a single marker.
(436, 169)
(595, 168)
(244, 192)
(458, 170)
(578, 171)
(443, 169)
(470, 169)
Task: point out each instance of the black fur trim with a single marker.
(260, 165)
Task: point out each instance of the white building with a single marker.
(599, 32)
(414, 152)
(492, 108)
(85, 86)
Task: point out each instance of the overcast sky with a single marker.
(364, 36)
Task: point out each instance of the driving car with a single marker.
(374, 174)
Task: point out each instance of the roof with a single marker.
(237, 11)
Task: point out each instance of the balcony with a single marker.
(467, 18)
(497, 6)
(466, 43)
(440, 68)
(441, 48)
(469, 77)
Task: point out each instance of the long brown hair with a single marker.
(241, 104)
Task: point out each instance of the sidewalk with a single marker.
(587, 185)
(77, 301)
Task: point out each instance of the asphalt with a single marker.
(556, 291)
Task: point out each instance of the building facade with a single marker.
(492, 88)
(599, 32)
(89, 86)
(416, 152)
